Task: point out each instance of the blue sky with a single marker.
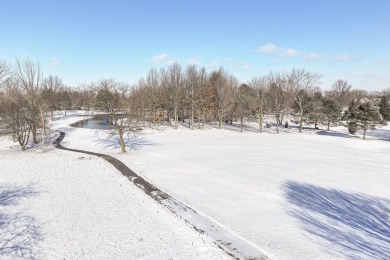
(83, 41)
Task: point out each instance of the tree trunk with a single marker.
(121, 140)
(281, 119)
(43, 123)
(199, 119)
(300, 120)
(192, 114)
(204, 119)
(34, 134)
(261, 120)
(277, 125)
(241, 119)
(364, 134)
(219, 119)
(328, 126)
(176, 118)
(52, 115)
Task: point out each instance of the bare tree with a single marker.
(222, 85)
(174, 81)
(260, 87)
(192, 84)
(122, 110)
(276, 90)
(152, 84)
(49, 93)
(30, 76)
(302, 82)
(5, 69)
(244, 103)
(340, 92)
(385, 92)
(14, 113)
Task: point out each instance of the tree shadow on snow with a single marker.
(379, 133)
(336, 134)
(131, 142)
(356, 226)
(19, 232)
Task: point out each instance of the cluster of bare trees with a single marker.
(172, 95)
(28, 100)
(196, 97)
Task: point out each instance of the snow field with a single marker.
(316, 195)
(80, 207)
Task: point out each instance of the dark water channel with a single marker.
(97, 122)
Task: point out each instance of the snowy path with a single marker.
(234, 245)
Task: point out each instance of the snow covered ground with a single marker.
(63, 205)
(298, 196)
(315, 195)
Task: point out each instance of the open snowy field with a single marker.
(63, 205)
(314, 195)
(298, 196)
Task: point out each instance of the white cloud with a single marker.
(214, 65)
(355, 73)
(312, 57)
(54, 62)
(290, 53)
(196, 60)
(245, 66)
(346, 57)
(383, 62)
(268, 48)
(162, 58)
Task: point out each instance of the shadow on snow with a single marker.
(131, 142)
(355, 225)
(19, 233)
(380, 134)
(336, 134)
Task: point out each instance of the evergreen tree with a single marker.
(363, 116)
(315, 115)
(331, 112)
(384, 108)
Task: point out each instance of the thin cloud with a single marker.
(290, 53)
(245, 66)
(268, 48)
(355, 73)
(383, 62)
(196, 60)
(162, 58)
(312, 57)
(347, 58)
(54, 62)
(214, 65)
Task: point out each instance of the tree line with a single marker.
(185, 95)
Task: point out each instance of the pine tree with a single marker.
(384, 108)
(363, 116)
(331, 112)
